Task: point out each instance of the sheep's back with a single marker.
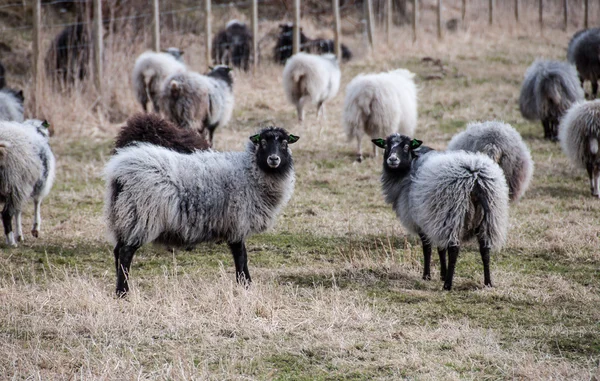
(321, 77)
(443, 204)
(586, 54)
(580, 124)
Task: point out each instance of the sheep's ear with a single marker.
(211, 68)
(181, 52)
(45, 124)
(379, 142)
(255, 138)
(415, 143)
(293, 139)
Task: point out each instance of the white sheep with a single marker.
(11, 105)
(379, 105)
(503, 144)
(27, 170)
(445, 198)
(311, 78)
(579, 136)
(158, 195)
(149, 72)
(199, 102)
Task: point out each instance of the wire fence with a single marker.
(69, 40)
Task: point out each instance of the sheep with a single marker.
(156, 195)
(149, 72)
(584, 52)
(233, 45)
(27, 169)
(69, 54)
(199, 102)
(11, 105)
(503, 144)
(308, 77)
(380, 104)
(445, 198)
(284, 46)
(579, 134)
(151, 128)
(548, 90)
(2, 76)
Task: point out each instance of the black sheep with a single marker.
(2, 78)
(69, 54)
(233, 45)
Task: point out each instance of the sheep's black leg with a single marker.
(594, 89)
(443, 263)
(426, 257)
(590, 171)
(240, 257)
(546, 124)
(554, 130)
(7, 222)
(485, 258)
(452, 257)
(123, 257)
(156, 106)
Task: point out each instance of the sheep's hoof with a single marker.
(359, 158)
(447, 287)
(121, 294)
(20, 238)
(427, 277)
(35, 233)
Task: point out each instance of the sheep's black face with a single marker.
(272, 152)
(399, 152)
(222, 72)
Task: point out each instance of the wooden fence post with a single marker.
(155, 26)
(337, 30)
(464, 10)
(208, 43)
(98, 47)
(296, 35)
(254, 35)
(370, 23)
(566, 13)
(491, 14)
(439, 18)
(37, 82)
(415, 18)
(389, 22)
(517, 10)
(541, 14)
(586, 17)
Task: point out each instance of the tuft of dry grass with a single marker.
(338, 291)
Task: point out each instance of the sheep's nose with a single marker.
(393, 161)
(273, 161)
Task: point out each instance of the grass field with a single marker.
(337, 290)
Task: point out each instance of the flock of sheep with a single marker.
(165, 184)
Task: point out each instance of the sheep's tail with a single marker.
(3, 150)
(299, 80)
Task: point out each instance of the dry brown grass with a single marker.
(337, 292)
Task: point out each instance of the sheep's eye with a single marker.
(405, 148)
(284, 144)
(264, 143)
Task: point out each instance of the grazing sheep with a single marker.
(584, 52)
(233, 45)
(322, 46)
(157, 195)
(579, 136)
(69, 54)
(199, 102)
(2, 76)
(308, 77)
(11, 105)
(150, 71)
(27, 170)
(549, 89)
(284, 47)
(445, 198)
(380, 104)
(151, 128)
(503, 144)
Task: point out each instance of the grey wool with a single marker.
(311, 78)
(548, 90)
(27, 169)
(579, 136)
(445, 198)
(503, 144)
(158, 195)
(200, 102)
(11, 105)
(584, 52)
(150, 71)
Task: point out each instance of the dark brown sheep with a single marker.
(151, 128)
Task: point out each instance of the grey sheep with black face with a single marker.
(27, 169)
(548, 90)
(503, 144)
(157, 195)
(579, 136)
(445, 198)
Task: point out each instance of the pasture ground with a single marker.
(337, 290)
